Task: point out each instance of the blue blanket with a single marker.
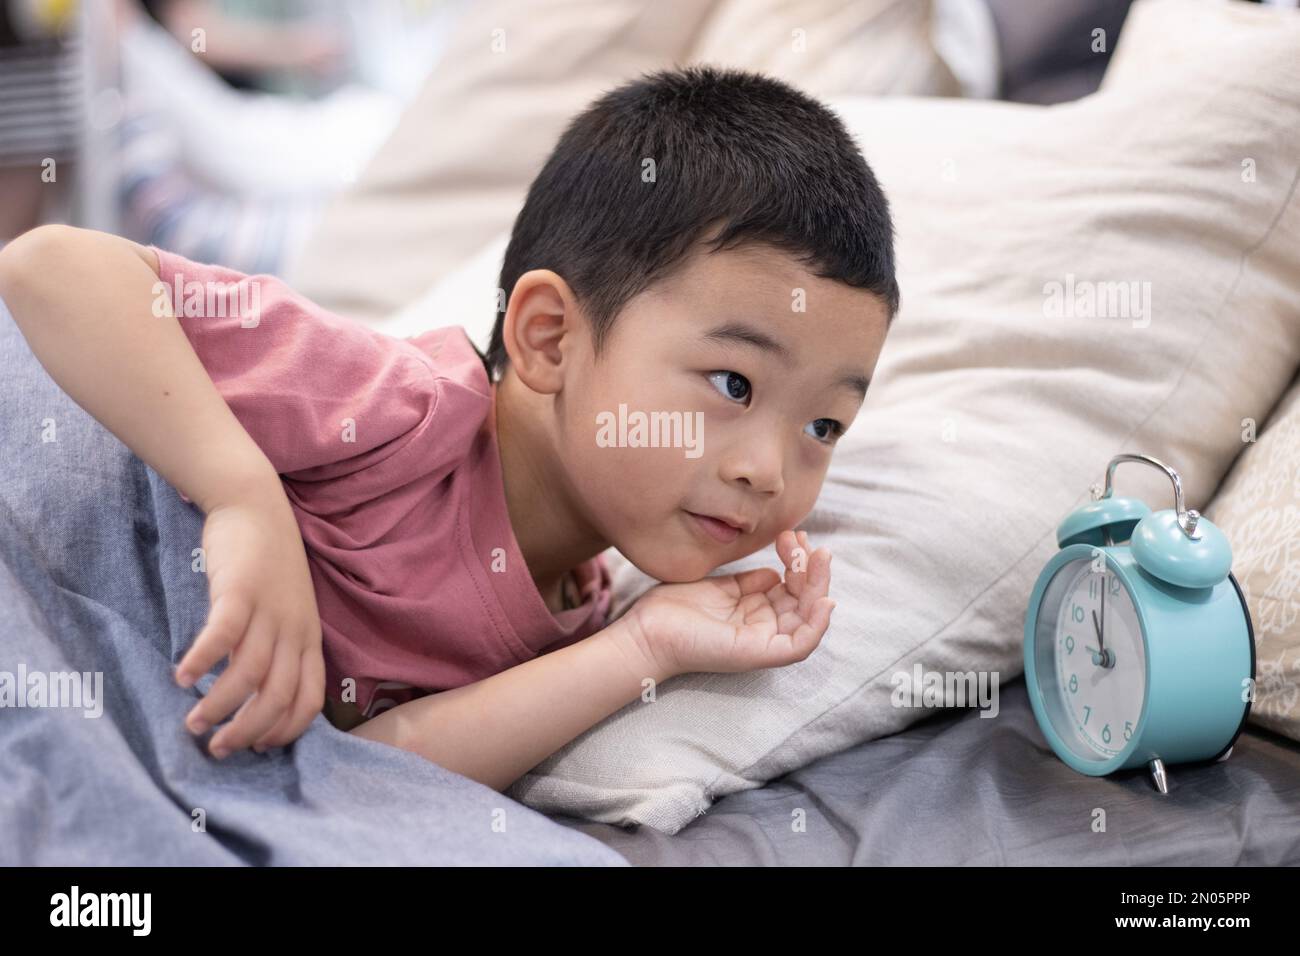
(98, 602)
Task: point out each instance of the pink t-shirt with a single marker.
(388, 453)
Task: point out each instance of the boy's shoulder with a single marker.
(452, 356)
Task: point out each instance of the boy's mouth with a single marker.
(717, 528)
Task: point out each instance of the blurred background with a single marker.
(221, 128)
(217, 128)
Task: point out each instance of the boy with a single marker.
(704, 248)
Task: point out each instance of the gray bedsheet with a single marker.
(96, 579)
(960, 789)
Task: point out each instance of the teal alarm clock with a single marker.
(1139, 648)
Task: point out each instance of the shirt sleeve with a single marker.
(323, 396)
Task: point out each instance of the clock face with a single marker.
(1090, 659)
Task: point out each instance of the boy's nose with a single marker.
(756, 468)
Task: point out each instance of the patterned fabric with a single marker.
(40, 102)
(1258, 508)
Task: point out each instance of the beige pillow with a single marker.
(831, 48)
(457, 169)
(995, 405)
(1258, 508)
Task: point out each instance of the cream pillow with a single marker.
(457, 169)
(832, 48)
(1258, 508)
(996, 405)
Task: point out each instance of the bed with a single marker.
(960, 790)
(951, 788)
(1105, 188)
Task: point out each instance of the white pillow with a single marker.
(990, 415)
(466, 298)
(515, 72)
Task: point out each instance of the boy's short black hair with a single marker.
(746, 151)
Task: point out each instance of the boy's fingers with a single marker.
(804, 607)
(802, 641)
(278, 735)
(789, 618)
(307, 704)
(226, 624)
(248, 665)
(802, 544)
(822, 617)
(809, 633)
(759, 579)
(797, 565)
(819, 580)
(311, 693)
(779, 595)
(275, 696)
(785, 544)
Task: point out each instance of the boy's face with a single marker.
(757, 424)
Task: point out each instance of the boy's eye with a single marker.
(736, 387)
(832, 430)
(733, 385)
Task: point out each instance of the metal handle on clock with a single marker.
(1186, 519)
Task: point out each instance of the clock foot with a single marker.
(1158, 775)
(1226, 754)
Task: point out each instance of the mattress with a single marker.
(964, 790)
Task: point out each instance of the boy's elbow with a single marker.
(48, 258)
(34, 254)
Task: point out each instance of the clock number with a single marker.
(1074, 683)
(1105, 734)
(1076, 611)
(1069, 643)
(1114, 585)
(1128, 729)
(1087, 712)
(1092, 586)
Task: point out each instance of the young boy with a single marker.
(705, 250)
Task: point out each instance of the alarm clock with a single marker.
(1139, 648)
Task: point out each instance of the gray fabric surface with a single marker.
(95, 576)
(960, 789)
(1045, 50)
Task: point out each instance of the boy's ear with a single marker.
(542, 311)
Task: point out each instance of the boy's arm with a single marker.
(84, 301)
(497, 729)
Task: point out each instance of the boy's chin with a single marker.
(669, 563)
(679, 564)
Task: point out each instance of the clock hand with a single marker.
(1101, 629)
(1100, 657)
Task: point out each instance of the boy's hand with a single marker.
(739, 622)
(262, 612)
